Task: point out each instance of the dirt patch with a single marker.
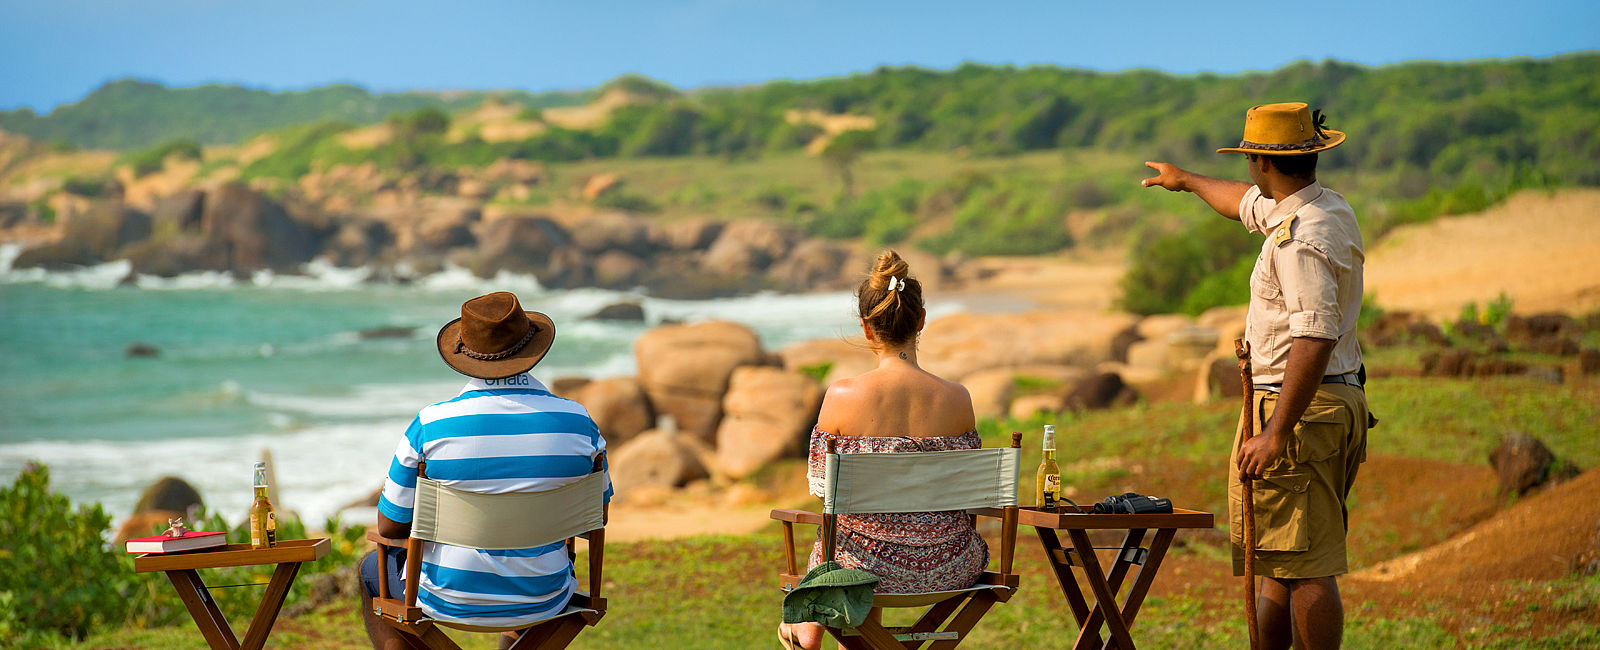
(1538, 248)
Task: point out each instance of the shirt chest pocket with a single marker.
(1264, 279)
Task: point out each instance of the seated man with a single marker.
(505, 432)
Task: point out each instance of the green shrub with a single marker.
(626, 201)
(151, 160)
(61, 579)
(1166, 269)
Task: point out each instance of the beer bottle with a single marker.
(263, 523)
(1048, 496)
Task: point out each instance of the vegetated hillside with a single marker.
(131, 114)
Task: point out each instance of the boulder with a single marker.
(93, 236)
(748, 246)
(1124, 340)
(141, 349)
(358, 242)
(1448, 363)
(1522, 462)
(618, 406)
(842, 358)
(1528, 330)
(568, 387)
(146, 523)
(445, 226)
(655, 458)
(1589, 361)
(617, 270)
(609, 231)
(1100, 391)
(1027, 406)
(567, 268)
(687, 235)
(767, 414)
(178, 213)
(814, 265)
(1224, 318)
(995, 391)
(1555, 345)
(256, 232)
(1188, 346)
(168, 493)
(168, 257)
(991, 391)
(685, 370)
(962, 343)
(1218, 378)
(520, 244)
(619, 311)
(1158, 326)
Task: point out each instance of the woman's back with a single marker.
(896, 400)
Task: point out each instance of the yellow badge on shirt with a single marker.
(1282, 233)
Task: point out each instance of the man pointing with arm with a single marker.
(1305, 295)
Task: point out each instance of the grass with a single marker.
(719, 591)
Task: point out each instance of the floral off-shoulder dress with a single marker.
(910, 552)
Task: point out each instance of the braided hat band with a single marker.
(462, 348)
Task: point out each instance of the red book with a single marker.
(191, 540)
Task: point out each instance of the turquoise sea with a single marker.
(278, 363)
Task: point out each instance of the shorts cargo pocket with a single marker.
(1280, 505)
(1319, 434)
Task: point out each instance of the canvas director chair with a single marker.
(982, 482)
(496, 522)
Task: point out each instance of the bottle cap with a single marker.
(260, 464)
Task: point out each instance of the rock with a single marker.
(91, 237)
(685, 370)
(141, 349)
(1474, 330)
(840, 358)
(1529, 330)
(655, 459)
(599, 184)
(472, 188)
(172, 256)
(963, 343)
(618, 406)
(256, 232)
(767, 414)
(568, 386)
(1556, 345)
(1225, 319)
(617, 270)
(609, 231)
(447, 224)
(177, 213)
(1124, 340)
(688, 234)
(620, 311)
(1218, 378)
(991, 391)
(566, 268)
(359, 242)
(1522, 462)
(1148, 355)
(1159, 326)
(520, 245)
(814, 265)
(1495, 366)
(1187, 347)
(1448, 363)
(397, 332)
(1100, 391)
(748, 246)
(1589, 361)
(168, 493)
(1027, 406)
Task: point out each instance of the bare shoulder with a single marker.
(956, 403)
(838, 404)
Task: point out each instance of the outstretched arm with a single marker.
(1222, 195)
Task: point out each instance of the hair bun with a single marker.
(890, 300)
(888, 265)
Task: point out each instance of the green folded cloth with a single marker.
(831, 595)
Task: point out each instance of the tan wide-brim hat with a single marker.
(494, 338)
(1289, 129)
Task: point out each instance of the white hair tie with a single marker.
(896, 284)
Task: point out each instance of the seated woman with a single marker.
(896, 407)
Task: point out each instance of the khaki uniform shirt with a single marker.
(1307, 281)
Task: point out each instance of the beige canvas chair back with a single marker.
(921, 481)
(511, 520)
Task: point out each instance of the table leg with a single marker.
(1105, 600)
(1146, 575)
(1069, 584)
(203, 609)
(271, 603)
(1119, 571)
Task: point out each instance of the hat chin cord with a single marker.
(461, 347)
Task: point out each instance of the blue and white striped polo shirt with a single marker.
(498, 435)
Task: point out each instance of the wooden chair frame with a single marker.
(949, 616)
(585, 609)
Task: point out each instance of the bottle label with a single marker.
(272, 529)
(1052, 491)
(256, 540)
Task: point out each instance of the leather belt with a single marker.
(1348, 379)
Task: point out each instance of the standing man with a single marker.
(1305, 295)
(505, 432)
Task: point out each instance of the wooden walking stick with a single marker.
(1241, 349)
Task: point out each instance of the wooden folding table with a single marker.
(1077, 522)
(181, 569)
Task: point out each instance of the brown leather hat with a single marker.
(495, 338)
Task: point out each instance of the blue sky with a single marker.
(57, 51)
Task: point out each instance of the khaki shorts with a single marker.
(1300, 499)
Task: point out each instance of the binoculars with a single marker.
(1133, 504)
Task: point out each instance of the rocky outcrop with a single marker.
(1100, 391)
(957, 345)
(519, 245)
(656, 458)
(767, 414)
(613, 231)
(618, 405)
(814, 265)
(256, 232)
(620, 311)
(749, 247)
(94, 236)
(169, 497)
(685, 370)
(1523, 462)
(834, 359)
